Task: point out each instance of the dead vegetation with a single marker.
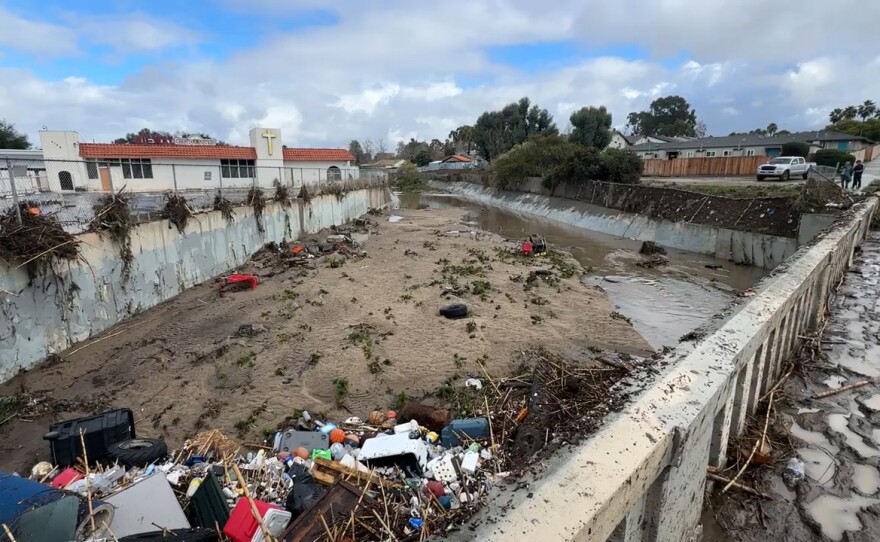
(113, 216)
(257, 200)
(177, 211)
(225, 207)
(36, 241)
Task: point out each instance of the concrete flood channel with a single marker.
(837, 437)
(664, 303)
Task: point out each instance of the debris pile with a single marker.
(177, 211)
(36, 241)
(406, 475)
(113, 215)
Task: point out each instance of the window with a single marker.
(334, 174)
(689, 154)
(710, 154)
(66, 180)
(726, 153)
(137, 168)
(237, 169)
(750, 152)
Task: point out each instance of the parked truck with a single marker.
(785, 167)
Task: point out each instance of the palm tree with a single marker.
(850, 112)
(867, 110)
(836, 116)
(772, 128)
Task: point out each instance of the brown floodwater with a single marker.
(663, 303)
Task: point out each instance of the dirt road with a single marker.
(344, 337)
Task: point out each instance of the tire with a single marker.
(179, 535)
(138, 452)
(455, 310)
(786, 175)
(761, 178)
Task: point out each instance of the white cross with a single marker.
(269, 137)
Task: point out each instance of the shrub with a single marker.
(408, 179)
(622, 166)
(833, 157)
(796, 148)
(582, 165)
(537, 157)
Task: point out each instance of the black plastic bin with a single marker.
(99, 432)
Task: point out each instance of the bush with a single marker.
(537, 157)
(833, 157)
(622, 166)
(584, 164)
(796, 148)
(408, 179)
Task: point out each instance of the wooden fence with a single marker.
(732, 166)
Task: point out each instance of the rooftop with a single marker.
(196, 152)
(748, 140)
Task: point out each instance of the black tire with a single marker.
(786, 175)
(761, 177)
(138, 452)
(179, 535)
(455, 310)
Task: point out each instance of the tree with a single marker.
(700, 129)
(496, 132)
(592, 127)
(422, 158)
(463, 138)
(867, 110)
(360, 155)
(146, 136)
(670, 116)
(783, 132)
(796, 148)
(833, 157)
(10, 138)
(772, 129)
(850, 112)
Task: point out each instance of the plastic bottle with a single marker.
(793, 472)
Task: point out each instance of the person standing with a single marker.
(846, 175)
(857, 174)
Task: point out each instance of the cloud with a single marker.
(36, 37)
(132, 32)
(390, 70)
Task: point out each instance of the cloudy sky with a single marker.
(326, 71)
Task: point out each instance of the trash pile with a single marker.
(403, 475)
(35, 240)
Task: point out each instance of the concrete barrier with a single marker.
(761, 250)
(86, 297)
(642, 477)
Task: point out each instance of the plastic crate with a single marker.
(99, 432)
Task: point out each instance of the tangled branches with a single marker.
(257, 200)
(225, 207)
(113, 215)
(36, 241)
(177, 211)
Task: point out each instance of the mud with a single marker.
(837, 437)
(371, 322)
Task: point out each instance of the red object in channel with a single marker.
(243, 527)
(527, 249)
(66, 477)
(237, 278)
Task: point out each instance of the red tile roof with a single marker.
(193, 152)
(458, 158)
(317, 155)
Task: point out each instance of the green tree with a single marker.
(357, 150)
(850, 112)
(409, 150)
(422, 158)
(833, 157)
(772, 129)
(591, 127)
(496, 132)
(669, 116)
(145, 136)
(462, 138)
(836, 115)
(796, 148)
(622, 166)
(407, 178)
(867, 110)
(10, 138)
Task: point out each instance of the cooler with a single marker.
(243, 527)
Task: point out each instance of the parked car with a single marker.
(785, 167)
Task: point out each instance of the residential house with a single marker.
(188, 163)
(749, 145)
(619, 140)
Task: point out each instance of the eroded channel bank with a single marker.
(86, 297)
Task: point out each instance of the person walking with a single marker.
(857, 174)
(846, 175)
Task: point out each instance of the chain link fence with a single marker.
(69, 190)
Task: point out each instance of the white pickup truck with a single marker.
(785, 167)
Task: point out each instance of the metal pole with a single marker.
(220, 179)
(174, 176)
(281, 176)
(110, 177)
(12, 186)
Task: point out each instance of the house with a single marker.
(188, 163)
(29, 170)
(619, 140)
(457, 159)
(748, 145)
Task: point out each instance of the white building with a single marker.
(188, 163)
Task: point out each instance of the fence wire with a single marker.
(70, 190)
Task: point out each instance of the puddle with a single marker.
(834, 382)
(837, 515)
(873, 402)
(838, 422)
(852, 357)
(866, 479)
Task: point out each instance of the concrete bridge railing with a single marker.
(642, 477)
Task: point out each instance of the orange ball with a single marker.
(337, 436)
(301, 453)
(391, 415)
(376, 418)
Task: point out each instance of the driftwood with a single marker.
(532, 433)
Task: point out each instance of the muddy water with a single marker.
(663, 303)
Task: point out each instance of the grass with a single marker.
(341, 390)
(745, 191)
(458, 360)
(246, 360)
(471, 327)
(335, 263)
(617, 316)
(480, 287)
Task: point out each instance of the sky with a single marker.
(326, 72)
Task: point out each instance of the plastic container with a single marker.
(66, 477)
(99, 432)
(243, 527)
(310, 440)
(469, 429)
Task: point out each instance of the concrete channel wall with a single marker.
(87, 297)
(642, 477)
(750, 248)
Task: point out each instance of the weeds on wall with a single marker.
(177, 211)
(282, 195)
(337, 189)
(304, 194)
(113, 216)
(225, 207)
(35, 242)
(257, 200)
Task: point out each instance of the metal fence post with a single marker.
(174, 177)
(110, 178)
(12, 187)
(281, 176)
(220, 179)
